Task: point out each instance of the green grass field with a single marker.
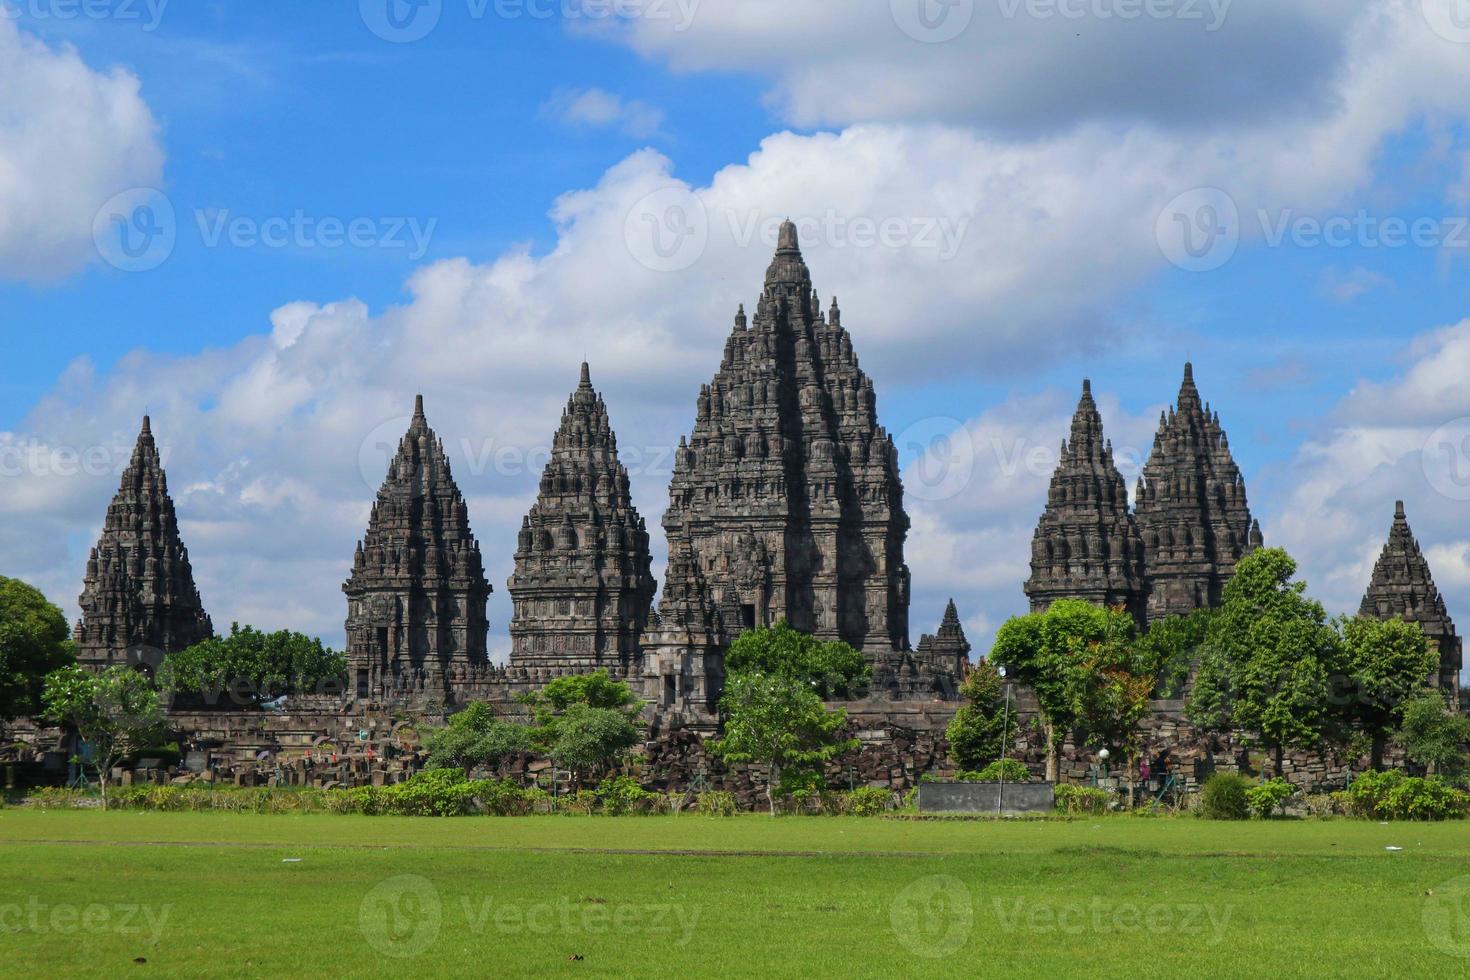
(204, 894)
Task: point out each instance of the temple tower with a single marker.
(1403, 587)
(1087, 544)
(785, 501)
(582, 587)
(947, 650)
(139, 601)
(416, 596)
(1191, 509)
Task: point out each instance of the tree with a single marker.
(587, 740)
(117, 712)
(1176, 644)
(780, 723)
(1384, 664)
(1269, 654)
(252, 667)
(475, 737)
(833, 669)
(1434, 734)
(585, 721)
(34, 641)
(1079, 659)
(977, 732)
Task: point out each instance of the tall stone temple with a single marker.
(1403, 587)
(785, 501)
(416, 596)
(1191, 509)
(582, 587)
(139, 601)
(1087, 544)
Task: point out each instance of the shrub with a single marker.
(1267, 798)
(581, 803)
(622, 794)
(1082, 799)
(869, 801)
(715, 803)
(1011, 770)
(503, 798)
(1322, 805)
(1223, 797)
(1390, 795)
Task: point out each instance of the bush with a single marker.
(622, 794)
(1323, 805)
(1223, 797)
(1011, 770)
(1082, 799)
(715, 803)
(1390, 795)
(1267, 798)
(869, 801)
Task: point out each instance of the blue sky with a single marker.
(522, 147)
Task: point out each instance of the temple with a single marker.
(785, 501)
(582, 588)
(416, 596)
(139, 601)
(1087, 544)
(1403, 587)
(1191, 509)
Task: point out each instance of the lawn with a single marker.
(128, 893)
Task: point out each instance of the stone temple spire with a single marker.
(947, 650)
(582, 587)
(139, 601)
(1403, 587)
(1087, 545)
(416, 596)
(786, 499)
(1191, 509)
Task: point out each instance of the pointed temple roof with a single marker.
(787, 463)
(139, 600)
(1403, 587)
(584, 543)
(417, 571)
(1087, 545)
(1191, 508)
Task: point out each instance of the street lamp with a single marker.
(1005, 731)
(1102, 755)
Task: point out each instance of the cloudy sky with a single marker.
(270, 225)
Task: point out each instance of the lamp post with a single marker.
(1005, 730)
(1102, 756)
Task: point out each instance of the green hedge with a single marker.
(1391, 795)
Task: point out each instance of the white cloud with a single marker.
(600, 109)
(70, 139)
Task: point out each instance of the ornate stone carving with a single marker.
(139, 600)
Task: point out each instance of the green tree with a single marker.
(117, 711)
(34, 641)
(1078, 659)
(977, 732)
(594, 690)
(778, 722)
(831, 668)
(1383, 664)
(1176, 644)
(1268, 657)
(1434, 734)
(587, 740)
(253, 667)
(475, 737)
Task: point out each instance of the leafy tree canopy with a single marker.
(475, 737)
(778, 722)
(117, 711)
(34, 640)
(977, 733)
(831, 668)
(250, 667)
(1434, 735)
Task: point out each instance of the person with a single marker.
(1143, 770)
